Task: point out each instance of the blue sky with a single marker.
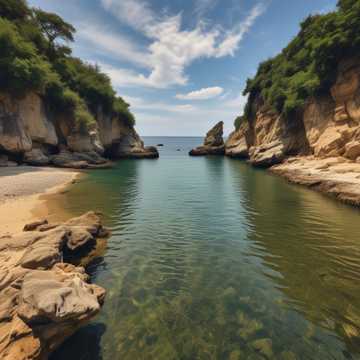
(182, 64)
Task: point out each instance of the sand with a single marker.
(21, 193)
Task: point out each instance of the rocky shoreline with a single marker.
(44, 296)
(30, 133)
(318, 147)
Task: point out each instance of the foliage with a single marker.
(34, 57)
(121, 109)
(238, 121)
(21, 67)
(14, 9)
(308, 65)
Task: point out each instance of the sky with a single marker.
(182, 64)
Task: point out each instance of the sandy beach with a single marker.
(21, 193)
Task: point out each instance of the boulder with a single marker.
(44, 300)
(352, 150)
(213, 142)
(88, 160)
(36, 157)
(130, 146)
(267, 155)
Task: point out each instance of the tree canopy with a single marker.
(34, 56)
(308, 65)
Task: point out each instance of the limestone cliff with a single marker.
(329, 125)
(31, 133)
(319, 146)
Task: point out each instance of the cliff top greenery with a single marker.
(308, 65)
(35, 56)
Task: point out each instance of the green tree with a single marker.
(54, 28)
(14, 9)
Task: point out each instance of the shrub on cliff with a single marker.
(307, 66)
(21, 67)
(34, 56)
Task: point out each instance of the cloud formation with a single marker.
(202, 94)
(171, 49)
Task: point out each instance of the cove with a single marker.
(212, 259)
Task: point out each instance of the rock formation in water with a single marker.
(213, 143)
(44, 299)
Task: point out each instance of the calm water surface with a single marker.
(212, 259)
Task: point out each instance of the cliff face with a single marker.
(30, 133)
(328, 126)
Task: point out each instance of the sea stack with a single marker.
(213, 143)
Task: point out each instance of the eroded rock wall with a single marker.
(30, 133)
(328, 126)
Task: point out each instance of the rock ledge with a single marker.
(43, 299)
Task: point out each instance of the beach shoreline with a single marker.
(25, 192)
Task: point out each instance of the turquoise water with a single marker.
(212, 259)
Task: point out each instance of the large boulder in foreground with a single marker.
(44, 300)
(213, 143)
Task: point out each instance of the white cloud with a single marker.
(202, 94)
(171, 49)
(233, 38)
(117, 45)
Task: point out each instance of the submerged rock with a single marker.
(264, 347)
(213, 143)
(44, 300)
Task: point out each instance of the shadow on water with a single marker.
(86, 341)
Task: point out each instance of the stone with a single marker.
(340, 180)
(36, 157)
(127, 144)
(89, 160)
(34, 225)
(44, 300)
(352, 150)
(213, 142)
(236, 145)
(268, 154)
(264, 347)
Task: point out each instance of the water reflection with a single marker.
(311, 250)
(210, 259)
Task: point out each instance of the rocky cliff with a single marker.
(328, 127)
(31, 133)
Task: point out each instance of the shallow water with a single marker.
(212, 259)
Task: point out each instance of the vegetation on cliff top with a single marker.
(308, 65)
(34, 56)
